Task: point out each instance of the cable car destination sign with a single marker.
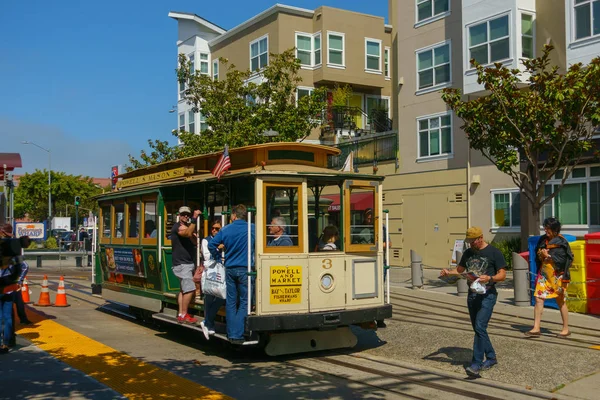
(286, 284)
(155, 177)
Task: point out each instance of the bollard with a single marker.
(521, 280)
(416, 270)
(462, 286)
(78, 261)
(38, 263)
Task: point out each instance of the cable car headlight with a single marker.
(327, 282)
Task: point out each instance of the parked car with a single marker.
(66, 240)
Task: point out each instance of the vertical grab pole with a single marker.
(249, 262)
(387, 253)
(160, 236)
(94, 250)
(197, 244)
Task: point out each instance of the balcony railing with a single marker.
(367, 150)
(341, 120)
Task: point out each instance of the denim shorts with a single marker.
(185, 273)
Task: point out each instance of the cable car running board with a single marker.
(173, 320)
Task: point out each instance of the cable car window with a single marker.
(362, 215)
(149, 219)
(133, 220)
(119, 231)
(283, 223)
(324, 218)
(105, 227)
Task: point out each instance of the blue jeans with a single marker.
(211, 308)
(481, 307)
(237, 301)
(6, 317)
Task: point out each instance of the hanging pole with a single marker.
(387, 253)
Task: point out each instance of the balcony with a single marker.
(343, 122)
(369, 149)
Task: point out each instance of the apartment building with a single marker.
(335, 47)
(441, 186)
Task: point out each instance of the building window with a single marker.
(527, 45)
(377, 103)
(181, 122)
(216, 70)
(386, 62)
(506, 208)
(570, 205)
(203, 124)
(489, 41)
(181, 90)
(433, 65)
(259, 53)
(191, 122)
(192, 63)
(317, 47)
(435, 135)
(427, 9)
(204, 63)
(587, 18)
(373, 55)
(304, 49)
(303, 92)
(335, 49)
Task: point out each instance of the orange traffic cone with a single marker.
(61, 295)
(44, 300)
(25, 292)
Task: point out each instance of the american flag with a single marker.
(223, 164)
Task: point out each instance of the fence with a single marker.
(375, 148)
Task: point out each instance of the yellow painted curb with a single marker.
(127, 375)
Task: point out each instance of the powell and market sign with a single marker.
(155, 177)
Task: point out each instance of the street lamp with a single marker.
(49, 179)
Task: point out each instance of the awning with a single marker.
(359, 201)
(8, 162)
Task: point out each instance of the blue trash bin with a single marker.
(532, 242)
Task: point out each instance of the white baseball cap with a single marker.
(185, 209)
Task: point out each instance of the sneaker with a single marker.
(473, 369)
(3, 350)
(489, 363)
(237, 341)
(26, 322)
(188, 319)
(205, 330)
(180, 318)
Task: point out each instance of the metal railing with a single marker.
(340, 118)
(374, 148)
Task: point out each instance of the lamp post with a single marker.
(49, 179)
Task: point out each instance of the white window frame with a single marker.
(310, 52)
(258, 40)
(315, 63)
(215, 70)
(494, 226)
(593, 37)
(487, 21)
(532, 36)
(181, 90)
(441, 156)
(343, 36)
(434, 17)
(191, 120)
(308, 88)
(368, 70)
(587, 179)
(202, 121)
(386, 63)
(181, 127)
(432, 48)
(192, 58)
(204, 62)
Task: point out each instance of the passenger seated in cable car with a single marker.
(277, 234)
(329, 239)
(364, 233)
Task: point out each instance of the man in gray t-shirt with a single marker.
(184, 260)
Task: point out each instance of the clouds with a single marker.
(83, 155)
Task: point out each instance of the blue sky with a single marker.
(94, 80)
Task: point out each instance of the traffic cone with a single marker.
(44, 300)
(61, 295)
(25, 292)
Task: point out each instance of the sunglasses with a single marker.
(216, 228)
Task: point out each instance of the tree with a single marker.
(31, 196)
(533, 132)
(238, 110)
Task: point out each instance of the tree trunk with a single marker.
(530, 221)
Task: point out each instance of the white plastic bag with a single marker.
(478, 287)
(213, 281)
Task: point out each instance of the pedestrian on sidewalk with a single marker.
(485, 266)
(554, 258)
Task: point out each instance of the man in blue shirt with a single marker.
(233, 239)
(277, 235)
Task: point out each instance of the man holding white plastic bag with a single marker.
(484, 266)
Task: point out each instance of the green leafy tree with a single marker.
(31, 196)
(238, 110)
(533, 132)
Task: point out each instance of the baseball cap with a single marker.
(473, 233)
(185, 210)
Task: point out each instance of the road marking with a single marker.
(595, 347)
(127, 375)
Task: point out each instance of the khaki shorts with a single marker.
(185, 273)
